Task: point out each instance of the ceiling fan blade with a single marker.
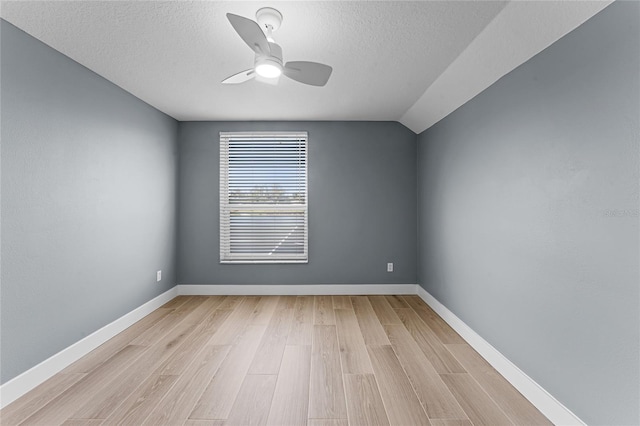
(251, 33)
(305, 72)
(240, 77)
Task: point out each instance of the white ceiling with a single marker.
(412, 62)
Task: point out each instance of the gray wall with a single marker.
(528, 216)
(362, 205)
(88, 202)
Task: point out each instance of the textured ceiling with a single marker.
(413, 62)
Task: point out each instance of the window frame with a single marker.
(227, 207)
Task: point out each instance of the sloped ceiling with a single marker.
(412, 62)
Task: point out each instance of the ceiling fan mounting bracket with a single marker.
(269, 17)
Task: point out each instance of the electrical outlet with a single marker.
(390, 267)
(158, 275)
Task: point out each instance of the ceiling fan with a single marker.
(268, 65)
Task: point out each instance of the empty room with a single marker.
(323, 213)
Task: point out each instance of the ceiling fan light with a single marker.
(268, 69)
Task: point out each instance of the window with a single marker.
(263, 197)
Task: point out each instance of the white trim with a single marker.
(294, 289)
(540, 398)
(536, 394)
(31, 378)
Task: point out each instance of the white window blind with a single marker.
(263, 197)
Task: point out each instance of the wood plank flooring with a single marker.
(280, 360)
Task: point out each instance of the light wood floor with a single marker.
(280, 360)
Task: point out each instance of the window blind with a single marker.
(263, 197)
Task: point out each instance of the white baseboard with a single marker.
(545, 402)
(31, 378)
(294, 289)
(553, 409)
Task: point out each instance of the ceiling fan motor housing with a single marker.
(269, 65)
(274, 57)
(276, 52)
